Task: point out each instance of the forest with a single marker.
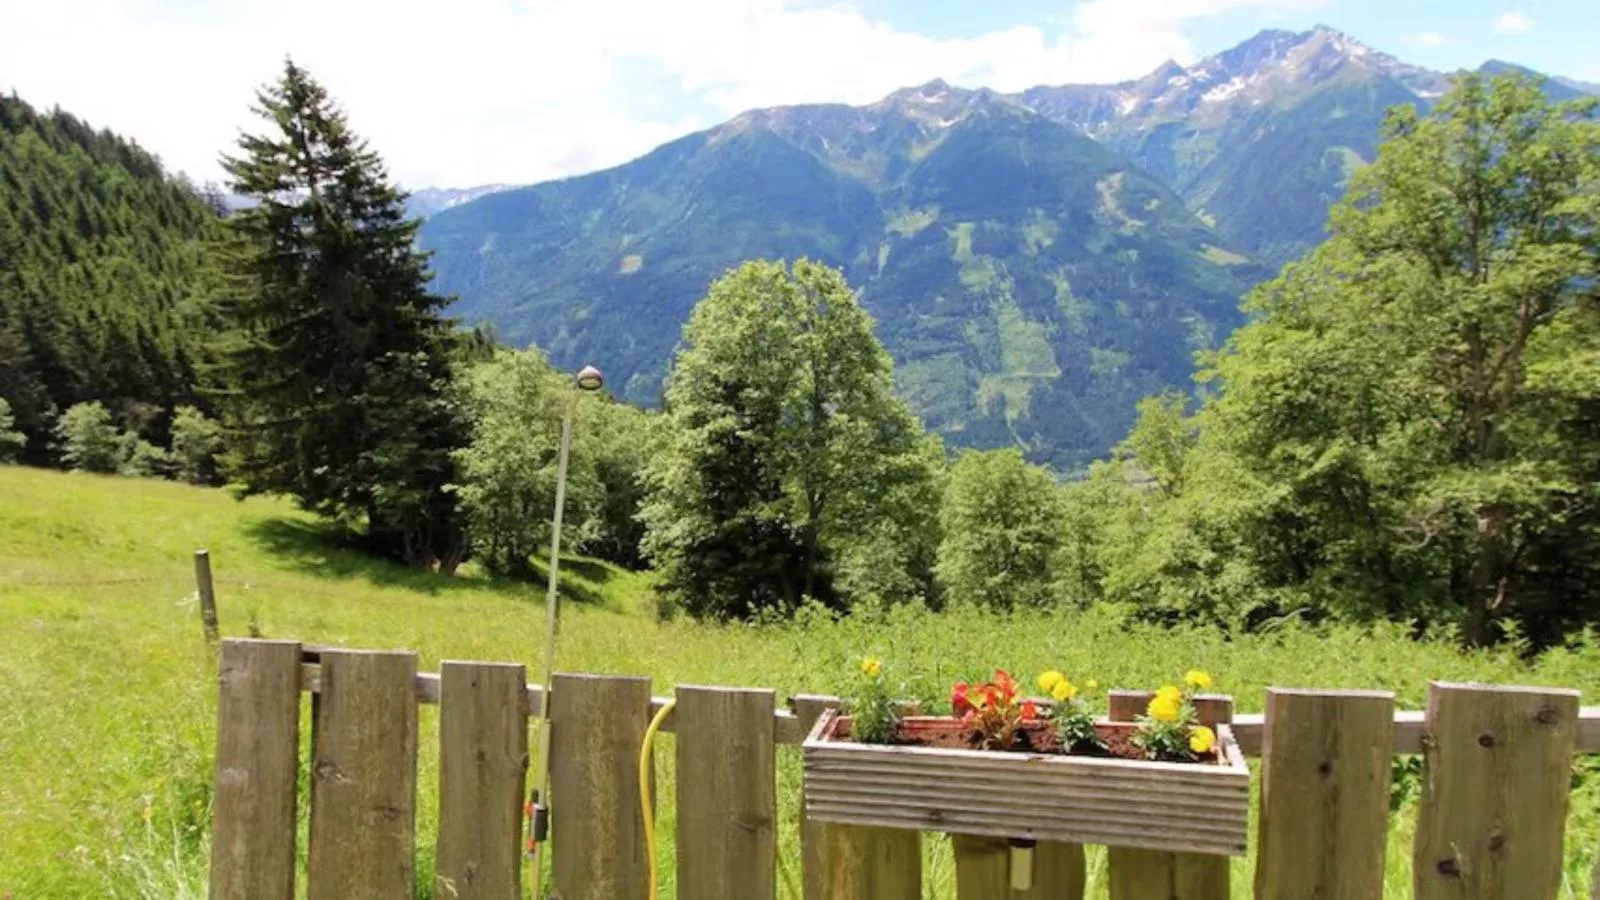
(1406, 429)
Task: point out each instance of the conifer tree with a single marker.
(335, 367)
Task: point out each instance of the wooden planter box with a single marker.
(1187, 807)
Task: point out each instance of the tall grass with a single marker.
(107, 702)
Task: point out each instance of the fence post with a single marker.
(598, 844)
(842, 862)
(364, 777)
(483, 765)
(1325, 770)
(208, 593)
(258, 747)
(727, 793)
(1138, 874)
(813, 835)
(983, 870)
(1496, 772)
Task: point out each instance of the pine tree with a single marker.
(335, 370)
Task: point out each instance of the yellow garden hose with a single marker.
(647, 809)
(645, 806)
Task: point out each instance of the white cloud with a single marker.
(481, 91)
(1426, 40)
(1514, 22)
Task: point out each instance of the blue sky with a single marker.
(462, 92)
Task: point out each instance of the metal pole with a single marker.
(541, 781)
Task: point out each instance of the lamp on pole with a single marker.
(588, 380)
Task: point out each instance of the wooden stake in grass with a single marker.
(208, 593)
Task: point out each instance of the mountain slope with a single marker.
(1030, 282)
(101, 275)
(424, 202)
(1260, 139)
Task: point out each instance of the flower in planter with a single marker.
(1169, 730)
(1073, 719)
(991, 712)
(875, 717)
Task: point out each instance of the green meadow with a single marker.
(107, 698)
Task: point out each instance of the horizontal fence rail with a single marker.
(790, 727)
(1491, 819)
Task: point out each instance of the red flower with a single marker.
(990, 695)
(1029, 711)
(959, 704)
(1008, 687)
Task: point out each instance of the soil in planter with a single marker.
(1033, 737)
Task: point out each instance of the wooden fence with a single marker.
(1491, 823)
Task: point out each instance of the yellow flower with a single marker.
(1063, 691)
(1049, 680)
(1163, 709)
(1168, 692)
(1202, 739)
(1198, 680)
(871, 667)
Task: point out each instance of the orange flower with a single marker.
(1029, 711)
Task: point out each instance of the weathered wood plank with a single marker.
(258, 747)
(1171, 806)
(807, 707)
(983, 870)
(1156, 875)
(790, 729)
(483, 765)
(1140, 874)
(206, 589)
(364, 778)
(597, 833)
(1325, 794)
(727, 796)
(860, 862)
(1496, 772)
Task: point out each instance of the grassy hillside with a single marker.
(107, 699)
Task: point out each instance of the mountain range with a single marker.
(1036, 261)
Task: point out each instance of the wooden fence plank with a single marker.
(727, 794)
(862, 862)
(483, 765)
(842, 861)
(364, 778)
(1324, 794)
(983, 870)
(597, 833)
(1137, 874)
(807, 707)
(1496, 771)
(206, 590)
(258, 757)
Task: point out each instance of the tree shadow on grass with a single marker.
(328, 550)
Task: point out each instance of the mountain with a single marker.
(424, 202)
(1030, 282)
(1036, 261)
(1259, 140)
(103, 282)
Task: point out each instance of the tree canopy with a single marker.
(789, 469)
(335, 371)
(1410, 425)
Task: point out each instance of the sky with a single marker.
(466, 92)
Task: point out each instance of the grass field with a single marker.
(107, 697)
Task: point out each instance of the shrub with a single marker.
(89, 441)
